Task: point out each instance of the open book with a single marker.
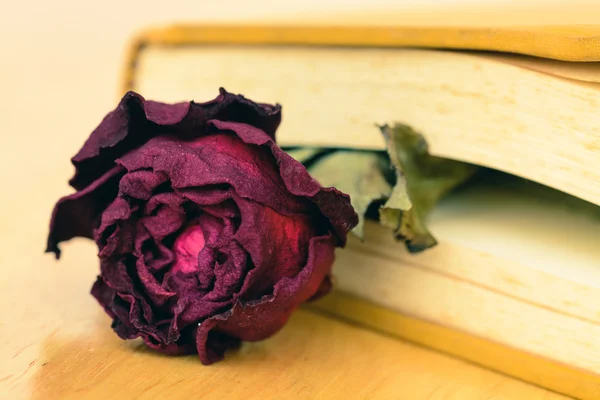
(514, 283)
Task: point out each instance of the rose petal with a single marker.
(165, 222)
(227, 209)
(115, 235)
(230, 271)
(260, 319)
(218, 159)
(136, 120)
(77, 214)
(168, 199)
(152, 288)
(277, 244)
(106, 296)
(156, 255)
(133, 315)
(206, 195)
(141, 184)
(334, 204)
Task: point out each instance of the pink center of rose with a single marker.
(186, 249)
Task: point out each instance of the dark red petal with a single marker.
(164, 222)
(77, 214)
(156, 255)
(334, 204)
(162, 215)
(141, 184)
(122, 297)
(226, 209)
(181, 347)
(116, 276)
(206, 195)
(118, 210)
(104, 294)
(212, 228)
(116, 234)
(107, 298)
(151, 286)
(260, 319)
(108, 140)
(219, 160)
(136, 120)
(278, 245)
(167, 199)
(230, 270)
(140, 314)
(231, 107)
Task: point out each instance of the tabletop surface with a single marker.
(56, 343)
(59, 76)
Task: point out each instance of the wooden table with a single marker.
(56, 343)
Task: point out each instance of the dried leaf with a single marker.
(359, 174)
(422, 180)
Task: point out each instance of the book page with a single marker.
(471, 108)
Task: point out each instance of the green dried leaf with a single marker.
(359, 174)
(422, 180)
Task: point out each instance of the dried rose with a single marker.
(208, 232)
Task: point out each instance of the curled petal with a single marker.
(116, 234)
(334, 204)
(115, 308)
(136, 120)
(77, 214)
(152, 288)
(280, 256)
(257, 320)
(165, 222)
(141, 184)
(218, 161)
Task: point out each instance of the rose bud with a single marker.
(208, 233)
